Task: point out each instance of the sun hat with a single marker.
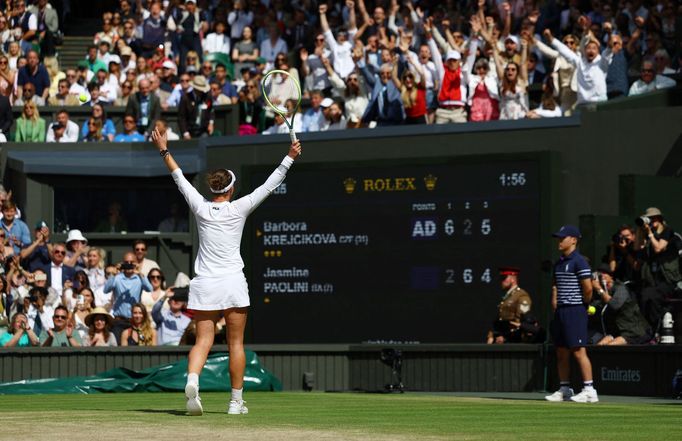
(75, 235)
(98, 311)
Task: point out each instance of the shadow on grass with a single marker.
(173, 412)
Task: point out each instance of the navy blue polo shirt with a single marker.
(41, 79)
(568, 272)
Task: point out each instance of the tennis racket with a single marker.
(279, 87)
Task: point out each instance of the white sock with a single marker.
(193, 378)
(237, 394)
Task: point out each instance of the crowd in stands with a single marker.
(65, 294)
(360, 63)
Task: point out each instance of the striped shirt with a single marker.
(568, 272)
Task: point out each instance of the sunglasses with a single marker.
(647, 70)
(110, 274)
(140, 249)
(155, 277)
(100, 319)
(129, 121)
(61, 317)
(59, 252)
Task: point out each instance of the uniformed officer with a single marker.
(514, 305)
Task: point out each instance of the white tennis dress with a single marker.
(219, 281)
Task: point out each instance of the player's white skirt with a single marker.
(218, 293)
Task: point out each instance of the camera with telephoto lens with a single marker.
(642, 220)
(617, 238)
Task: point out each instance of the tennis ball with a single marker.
(83, 98)
(591, 310)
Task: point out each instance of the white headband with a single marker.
(230, 185)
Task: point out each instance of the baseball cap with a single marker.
(41, 224)
(513, 38)
(566, 231)
(453, 55)
(168, 64)
(327, 102)
(114, 59)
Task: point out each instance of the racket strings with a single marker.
(280, 88)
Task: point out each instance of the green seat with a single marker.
(221, 58)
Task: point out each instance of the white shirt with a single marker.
(56, 278)
(147, 265)
(660, 82)
(220, 224)
(591, 75)
(342, 60)
(283, 128)
(216, 43)
(45, 317)
(70, 133)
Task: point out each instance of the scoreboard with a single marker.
(391, 251)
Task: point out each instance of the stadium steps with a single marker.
(74, 49)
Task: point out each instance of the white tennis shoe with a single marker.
(561, 395)
(586, 396)
(193, 401)
(237, 407)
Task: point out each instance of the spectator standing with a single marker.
(95, 270)
(57, 271)
(217, 41)
(47, 26)
(140, 332)
(513, 81)
(126, 287)
(153, 30)
(385, 105)
(413, 93)
(272, 45)
(30, 126)
(16, 230)
(76, 249)
(39, 314)
(649, 80)
(590, 65)
(192, 21)
(239, 19)
(145, 265)
(130, 133)
(341, 49)
(564, 73)
(37, 255)
(145, 107)
(245, 52)
(196, 111)
(571, 291)
(25, 25)
(617, 75)
(484, 95)
(452, 95)
(63, 333)
(99, 324)
(82, 310)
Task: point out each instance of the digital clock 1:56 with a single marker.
(513, 179)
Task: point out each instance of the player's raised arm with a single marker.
(161, 142)
(295, 150)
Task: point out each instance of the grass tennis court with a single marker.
(330, 416)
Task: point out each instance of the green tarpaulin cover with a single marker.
(164, 378)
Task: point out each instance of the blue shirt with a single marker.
(311, 120)
(135, 137)
(568, 272)
(18, 234)
(127, 292)
(169, 326)
(41, 79)
(107, 129)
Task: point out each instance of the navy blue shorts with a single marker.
(569, 327)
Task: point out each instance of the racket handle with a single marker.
(292, 135)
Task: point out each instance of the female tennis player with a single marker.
(219, 286)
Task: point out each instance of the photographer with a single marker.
(660, 268)
(171, 323)
(622, 258)
(126, 288)
(624, 323)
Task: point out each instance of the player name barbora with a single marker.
(286, 273)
